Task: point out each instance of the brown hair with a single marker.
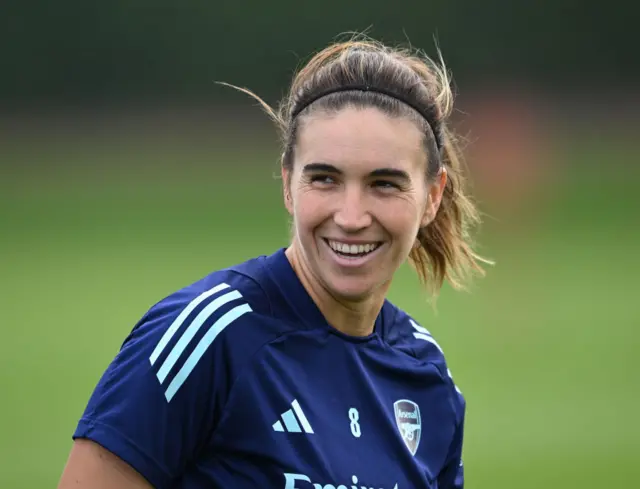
(423, 94)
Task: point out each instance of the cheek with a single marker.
(308, 209)
(402, 219)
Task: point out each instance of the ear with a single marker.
(434, 198)
(286, 190)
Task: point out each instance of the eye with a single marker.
(323, 179)
(386, 185)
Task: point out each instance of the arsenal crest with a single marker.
(409, 423)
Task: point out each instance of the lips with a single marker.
(352, 249)
(352, 255)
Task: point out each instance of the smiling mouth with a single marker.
(352, 250)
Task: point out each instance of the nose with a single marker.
(352, 214)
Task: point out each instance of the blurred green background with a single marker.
(126, 174)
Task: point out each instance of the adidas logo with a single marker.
(291, 420)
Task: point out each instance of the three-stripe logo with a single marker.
(188, 329)
(291, 422)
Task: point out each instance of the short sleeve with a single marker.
(159, 399)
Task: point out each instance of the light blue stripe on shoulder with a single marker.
(215, 329)
(166, 337)
(419, 328)
(428, 339)
(191, 331)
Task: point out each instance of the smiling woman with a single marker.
(293, 367)
(369, 191)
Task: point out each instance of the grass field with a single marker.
(544, 348)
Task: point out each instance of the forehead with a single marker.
(360, 138)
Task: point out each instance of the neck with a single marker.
(351, 317)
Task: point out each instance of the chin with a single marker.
(352, 290)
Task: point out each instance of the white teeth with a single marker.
(352, 249)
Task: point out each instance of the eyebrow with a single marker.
(391, 173)
(378, 173)
(320, 167)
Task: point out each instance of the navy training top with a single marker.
(238, 382)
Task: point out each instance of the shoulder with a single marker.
(221, 319)
(411, 338)
(222, 293)
(407, 335)
(234, 285)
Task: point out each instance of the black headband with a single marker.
(428, 114)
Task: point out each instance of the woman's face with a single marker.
(358, 195)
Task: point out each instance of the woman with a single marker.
(292, 370)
